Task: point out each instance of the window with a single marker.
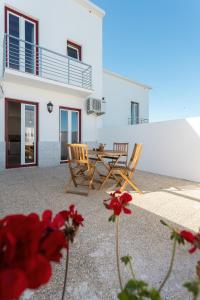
(74, 50)
(134, 113)
(70, 129)
(21, 55)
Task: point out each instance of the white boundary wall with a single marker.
(169, 148)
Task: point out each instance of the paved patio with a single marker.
(92, 272)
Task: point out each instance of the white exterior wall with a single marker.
(169, 148)
(61, 21)
(75, 20)
(118, 93)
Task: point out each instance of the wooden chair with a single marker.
(124, 174)
(124, 148)
(81, 169)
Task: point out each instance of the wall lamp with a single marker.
(50, 107)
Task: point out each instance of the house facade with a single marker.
(126, 101)
(51, 75)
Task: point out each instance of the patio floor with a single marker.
(92, 270)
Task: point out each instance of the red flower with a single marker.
(37, 270)
(72, 215)
(12, 283)
(190, 238)
(119, 202)
(62, 217)
(56, 223)
(27, 246)
(52, 245)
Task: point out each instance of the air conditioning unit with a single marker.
(94, 106)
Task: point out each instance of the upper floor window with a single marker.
(22, 55)
(134, 112)
(74, 50)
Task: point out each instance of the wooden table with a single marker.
(102, 156)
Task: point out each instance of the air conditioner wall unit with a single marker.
(94, 106)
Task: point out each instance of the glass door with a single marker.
(28, 134)
(69, 130)
(13, 126)
(29, 48)
(21, 134)
(21, 50)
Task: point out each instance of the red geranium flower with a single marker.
(119, 202)
(59, 221)
(191, 238)
(54, 223)
(71, 215)
(50, 247)
(12, 283)
(27, 246)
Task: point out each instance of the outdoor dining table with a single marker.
(103, 157)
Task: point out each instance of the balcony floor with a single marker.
(92, 272)
(39, 82)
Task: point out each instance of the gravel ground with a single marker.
(92, 269)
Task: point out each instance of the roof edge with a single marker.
(91, 6)
(127, 79)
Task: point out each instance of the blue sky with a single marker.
(157, 42)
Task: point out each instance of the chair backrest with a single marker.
(135, 157)
(121, 147)
(78, 153)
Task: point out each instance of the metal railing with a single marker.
(30, 58)
(134, 121)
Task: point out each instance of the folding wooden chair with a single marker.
(81, 169)
(124, 148)
(124, 174)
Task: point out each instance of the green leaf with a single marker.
(126, 259)
(138, 290)
(193, 287)
(163, 223)
(176, 236)
(112, 218)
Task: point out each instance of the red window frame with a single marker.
(77, 46)
(36, 22)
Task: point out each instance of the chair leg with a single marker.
(128, 181)
(73, 177)
(105, 180)
(91, 178)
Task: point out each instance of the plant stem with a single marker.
(131, 268)
(66, 271)
(170, 266)
(117, 253)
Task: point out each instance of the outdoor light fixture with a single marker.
(50, 107)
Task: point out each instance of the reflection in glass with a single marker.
(14, 52)
(134, 113)
(29, 49)
(75, 138)
(64, 133)
(29, 134)
(14, 134)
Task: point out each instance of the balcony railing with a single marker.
(134, 121)
(29, 58)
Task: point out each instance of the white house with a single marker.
(126, 101)
(52, 81)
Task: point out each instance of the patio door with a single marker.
(21, 134)
(70, 129)
(22, 36)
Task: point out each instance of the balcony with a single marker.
(35, 62)
(136, 120)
